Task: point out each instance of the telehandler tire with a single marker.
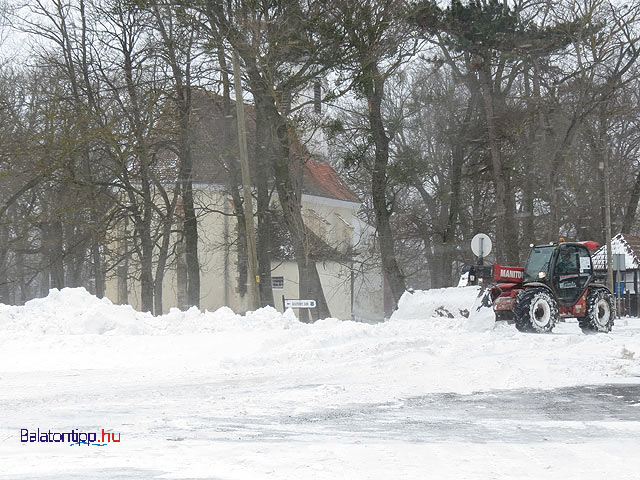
(600, 312)
(535, 310)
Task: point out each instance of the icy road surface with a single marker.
(222, 396)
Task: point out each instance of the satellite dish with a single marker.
(481, 245)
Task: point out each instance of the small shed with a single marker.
(627, 278)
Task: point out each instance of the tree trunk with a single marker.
(55, 253)
(242, 249)
(143, 206)
(263, 244)
(123, 287)
(235, 180)
(190, 219)
(284, 168)
(146, 263)
(98, 271)
(449, 234)
(632, 207)
(142, 223)
(374, 90)
(310, 286)
(181, 276)
(45, 272)
(163, 253)
(21, 285)
(457, 161)
(143, 233)
(532, 91)
(75, 255)
(496, 165)
(182, 84)
(512, 237)
(191, 244)
(435, 267)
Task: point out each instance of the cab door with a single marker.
(572, 273)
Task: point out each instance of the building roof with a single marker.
(629, 245)
(321, 179)
(215, 151)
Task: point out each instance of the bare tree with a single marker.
(376, 42)
(281, 57)
(177, 48)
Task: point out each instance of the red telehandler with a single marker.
(557, 282)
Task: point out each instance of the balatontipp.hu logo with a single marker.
(73, 437)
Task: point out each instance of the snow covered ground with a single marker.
(222, 396)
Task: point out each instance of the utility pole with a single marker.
(607, 213)
(252, 277)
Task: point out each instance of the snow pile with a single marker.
(428, 344)
(437, 302)
(222, 320)
(452, 307)
(71, 311)
(75, 311)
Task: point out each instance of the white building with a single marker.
(329, 209)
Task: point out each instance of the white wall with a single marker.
(333, 220)
(336, 284)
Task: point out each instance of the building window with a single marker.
(277, 283)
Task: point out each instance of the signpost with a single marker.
(253, 276)
(481, 246)
(297, 303)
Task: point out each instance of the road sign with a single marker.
(481, 245)
(619, 262)
(294, 303)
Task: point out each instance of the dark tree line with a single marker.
(499, 124)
